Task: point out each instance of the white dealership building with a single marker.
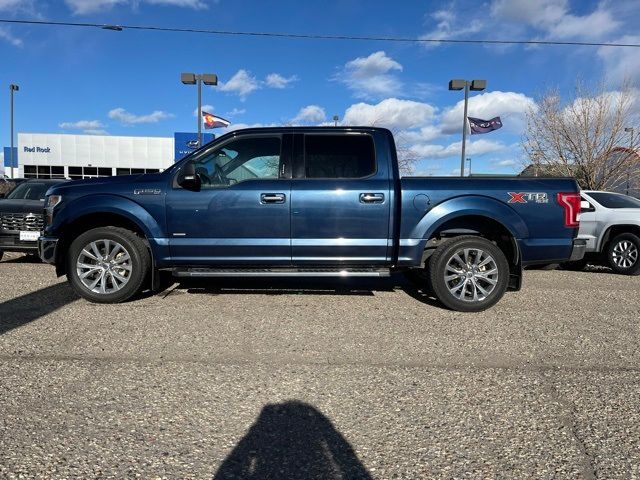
(56, 155)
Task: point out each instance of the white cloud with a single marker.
(554, 19)
(310, 114)
(275, 80)
(194, 4)
(621, 63)
(391, 113)
(6, 35)
(510, 106)
(81, 124)
(372, 76)
(127, 118)
(84, 7)
(241, 84)
(98, 131)
(507, 163)
(449, 25)
(474, 148)
(236, 111)
(205, 108)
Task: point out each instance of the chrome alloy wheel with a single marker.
(104, 266)
(625, 254)
(471, 275)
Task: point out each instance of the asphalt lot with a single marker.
(309, 379)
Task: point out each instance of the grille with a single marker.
(29, 222)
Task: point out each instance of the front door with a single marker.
(241, 215)
(339, 201)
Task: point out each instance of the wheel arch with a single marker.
(614, 230)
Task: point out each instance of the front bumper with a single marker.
(579, 249)
(11, 243)
(47, 249)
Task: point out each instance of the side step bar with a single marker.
(280, 272)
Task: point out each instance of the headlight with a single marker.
(52, 201)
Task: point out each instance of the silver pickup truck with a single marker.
(610, 223)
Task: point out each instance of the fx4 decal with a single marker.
(526, 197)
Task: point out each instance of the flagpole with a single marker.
(464, 127)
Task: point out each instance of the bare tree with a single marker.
(407, 157)
(589, 136)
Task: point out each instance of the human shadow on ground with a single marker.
(26, 308)
(292, 440)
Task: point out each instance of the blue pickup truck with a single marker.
(308, 201)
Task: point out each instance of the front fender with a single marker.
(106, 203)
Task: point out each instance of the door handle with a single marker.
(371, 197)
(272, 198)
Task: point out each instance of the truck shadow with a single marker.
(26, 308)
(292, 440)
(306, 286)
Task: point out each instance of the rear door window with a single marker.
(339, 156)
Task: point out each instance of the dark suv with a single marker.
(22, 216)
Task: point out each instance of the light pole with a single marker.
(469, 160)
(475, 85)
(629, 130)
(335, 120)
(199, 79)
(12, 88)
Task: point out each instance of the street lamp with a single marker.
(12, 88)
(335, 120)
(475, 85)
(199, 79)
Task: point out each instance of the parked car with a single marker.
(610, 225)
(22, 216)
(8, 184)
(308, 201)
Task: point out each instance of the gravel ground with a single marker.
(313, 379)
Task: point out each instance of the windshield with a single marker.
(29, 191)
(615, 200)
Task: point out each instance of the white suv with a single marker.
(610, 223)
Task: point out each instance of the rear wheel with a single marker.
(108, 264)
(468, 273)
(623, 254)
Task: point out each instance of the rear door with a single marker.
(339, 201)
(241, 215)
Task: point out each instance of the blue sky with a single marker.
(80, 80)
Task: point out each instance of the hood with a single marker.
(93, 182)
(21, 206)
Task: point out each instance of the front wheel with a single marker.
(468, 273)
(108, 264)
(623, 254)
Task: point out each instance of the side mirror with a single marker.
(188, 178)
(585, 206)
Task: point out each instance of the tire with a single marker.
(1, 254)
(465, 292)
(623, 254)
(111, 279)
(576, 266)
